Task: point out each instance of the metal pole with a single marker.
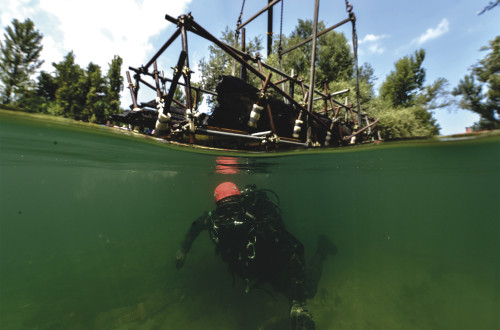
(313, 57)
(186, 72)
(347, 138)
(177, 75)
(243, 70)
(269, 28)
(199, 30)
(248, 57)
(162, 49)
(235, 43)
(157, 81)
(164, 79)
(258, 14)
(355, 46)
(348, 7)
(185, 69)
(319, 34)
(131, 88)
(333, 94)
(245, 136)
(192, 87)
(291, 88)
(149, 85)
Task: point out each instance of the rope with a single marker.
(238, 23)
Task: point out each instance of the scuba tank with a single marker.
(252, 196)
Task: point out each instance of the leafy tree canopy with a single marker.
(409, 122)
(19, 58)
(402, 84)
(114, 80)
(485, 76)
(334, 57)
(70, 96)
(71, 91)
(405, 104)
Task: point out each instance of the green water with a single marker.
(90, 221)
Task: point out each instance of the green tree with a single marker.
(180, 96)
(402, 84)
(41, 97)
(19, 59)
(94, 87)
(334, 57)
(71, 92)
(485, 76)
(114, 82)
(335, 60)
(46, 86)
(367, 74)
(81, 94)
(397, 123)
(487, 71)
(366, 85)
(434, 96)
(405, 105)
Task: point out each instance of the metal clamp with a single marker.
(262, 95)
(251, 248)
(187, 71)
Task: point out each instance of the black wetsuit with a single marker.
(250, 236)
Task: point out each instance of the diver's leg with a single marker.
(296, 268)
(299, 315)
(315, 265)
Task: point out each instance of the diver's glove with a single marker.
(180, 257)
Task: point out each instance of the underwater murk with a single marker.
(90, 221)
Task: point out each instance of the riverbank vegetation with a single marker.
(69, 91)
(404, 103)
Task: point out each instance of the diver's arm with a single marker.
(196, 228)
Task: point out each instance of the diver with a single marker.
(250, 236)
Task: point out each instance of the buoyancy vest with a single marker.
(239, 227)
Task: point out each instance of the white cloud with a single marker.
(433, 33)
(95, 30)
(372, 38)
(11, 9)
(376, 49)
(372, 42)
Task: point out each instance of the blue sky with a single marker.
(450, 31)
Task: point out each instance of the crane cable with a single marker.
(348, 7)
(237, 36)
(281, 32)
(238, 23)
(280, 48)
